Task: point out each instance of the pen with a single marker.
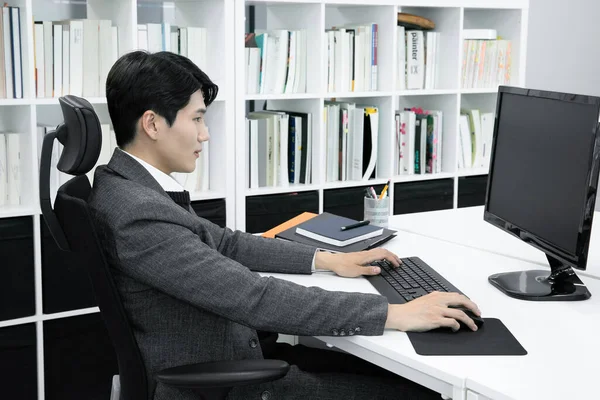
(385, 188)
(356, 225)
(373, 192)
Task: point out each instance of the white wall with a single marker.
(563, 46)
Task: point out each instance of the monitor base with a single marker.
(560, 284)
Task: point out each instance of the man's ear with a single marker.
(149, 124)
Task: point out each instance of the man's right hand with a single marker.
(430, 312)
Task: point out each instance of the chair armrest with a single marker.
(223, 374)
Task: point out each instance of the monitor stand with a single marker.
(561, 284)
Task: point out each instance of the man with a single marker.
(191, 289)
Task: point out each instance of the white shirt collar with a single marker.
(167, 182)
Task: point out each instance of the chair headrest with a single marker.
(80, 134)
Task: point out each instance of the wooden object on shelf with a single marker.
(411, 21)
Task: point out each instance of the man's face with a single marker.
(181, 143)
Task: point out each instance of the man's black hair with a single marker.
(162, 82)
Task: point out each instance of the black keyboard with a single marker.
(412, 279)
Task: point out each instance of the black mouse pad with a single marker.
(492, 339)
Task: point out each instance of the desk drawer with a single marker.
(412, 197)
(471, 190)
(265, 212)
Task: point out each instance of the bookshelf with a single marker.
(449, 95)
(51, 333)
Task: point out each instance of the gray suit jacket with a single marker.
(192, 291)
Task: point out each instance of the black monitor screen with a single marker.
(541, 161)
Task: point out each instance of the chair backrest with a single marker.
(72, 223)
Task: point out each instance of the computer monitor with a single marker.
(542, 186)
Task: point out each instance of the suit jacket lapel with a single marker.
(130, 169)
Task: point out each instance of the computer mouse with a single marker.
(477, 319)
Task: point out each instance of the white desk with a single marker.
(466, 227)
(561, 338)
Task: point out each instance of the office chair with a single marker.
(71, 227)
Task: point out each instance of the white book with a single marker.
(401, 46)
(2, 71)
(487, 127)
(39, 60)
(330, 45)
(415, 55)
(429, 60)
(465, 150)
(114, 36)
(106, 53)
(358, 120)
(301, 66)
(91, 62)
(142, 37)
(292, 63)
(48, 59)
(13, 164)
(284, 123)
(175, 42)
(298, 149)
(439, 137)
(154, 38)
(253, 70)
(281, 38)
(66, 50)
(374, 61)
(411, 127)
(8, 65)
(57, 60)
(253, 153)
(76, 58)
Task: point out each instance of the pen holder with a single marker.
(377, 211)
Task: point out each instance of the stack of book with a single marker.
(74, 57)
(352, 58)
(419, 138)
(11, 56)
(278, 148)
(276, 62)
(331, 232)
(10, 168)
(352, 132)
(486, 59)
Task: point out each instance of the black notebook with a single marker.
(327, 228)
(383, 234)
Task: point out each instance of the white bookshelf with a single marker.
(509, 18)
(24, 114)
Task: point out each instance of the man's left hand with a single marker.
(355, 264)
